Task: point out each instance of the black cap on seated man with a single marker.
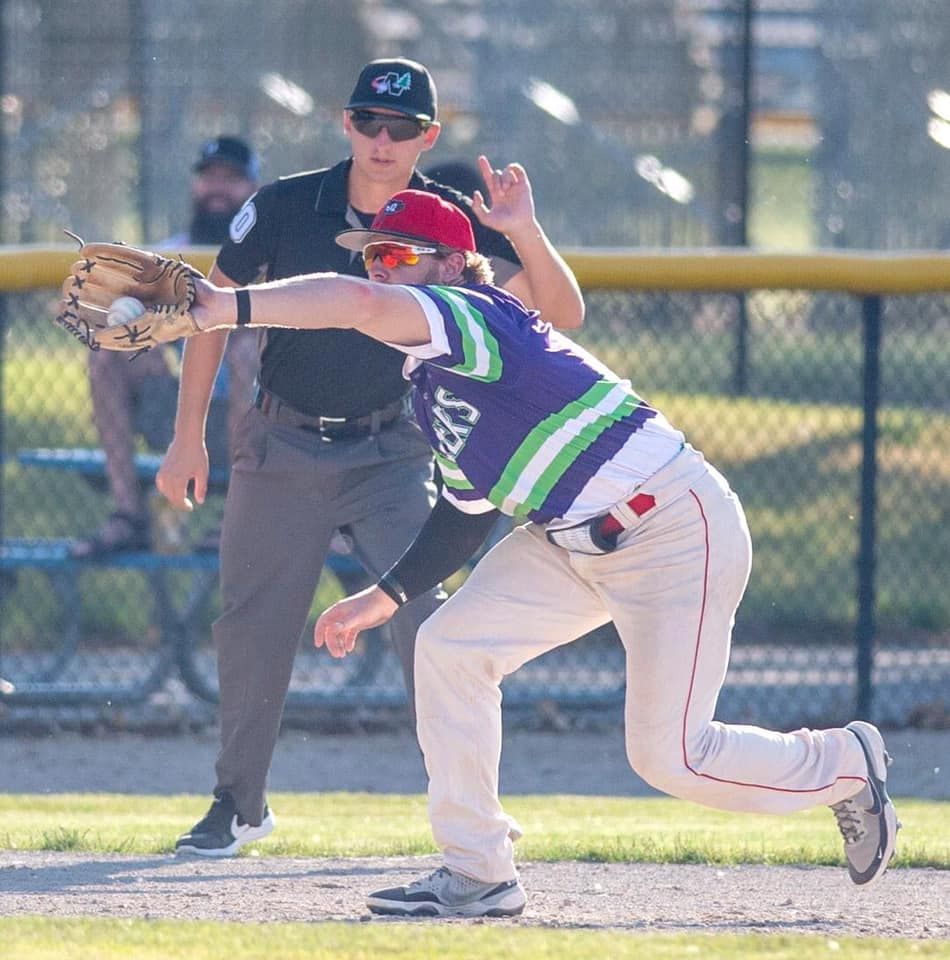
(227, 172)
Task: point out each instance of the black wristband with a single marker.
(392, 588)
(243, 307)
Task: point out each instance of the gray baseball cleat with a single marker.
(868, 821)
(447, 894)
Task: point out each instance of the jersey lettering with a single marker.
(452, 421)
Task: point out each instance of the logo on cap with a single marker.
(393, 206)
(395, 84)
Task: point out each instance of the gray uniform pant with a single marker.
(289, 491)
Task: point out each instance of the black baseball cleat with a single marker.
(447, 894)
(868, 821)
(222, 831)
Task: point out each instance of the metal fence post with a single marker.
(735, 168)
(5, 686)
(140, 75)
(864, 635)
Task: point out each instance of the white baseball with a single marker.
(124, 310)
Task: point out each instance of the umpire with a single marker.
(328, 443)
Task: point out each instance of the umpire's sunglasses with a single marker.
(400, 128)
(394, 254)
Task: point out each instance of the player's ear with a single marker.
(452, 267)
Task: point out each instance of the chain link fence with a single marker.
(847, 603)
(631, 120)
(629, 114)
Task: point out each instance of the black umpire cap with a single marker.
(397, 84)
(232, 152)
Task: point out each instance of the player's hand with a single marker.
(340, 625)
(185, 462)
(510, 204)
(213, 306)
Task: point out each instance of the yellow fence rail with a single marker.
(710, 269)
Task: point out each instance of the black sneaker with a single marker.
(222, 832)
(447, 894)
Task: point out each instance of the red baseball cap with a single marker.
(415, 216)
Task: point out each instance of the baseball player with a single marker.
(627, 522)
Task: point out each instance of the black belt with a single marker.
(330, 428)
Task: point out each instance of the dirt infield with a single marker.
(586, 762)
(637, 897)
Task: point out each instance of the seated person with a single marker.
(139, 398)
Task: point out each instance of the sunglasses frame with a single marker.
(365, 120)
(412, 248)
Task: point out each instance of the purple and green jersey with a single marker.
(523, 419)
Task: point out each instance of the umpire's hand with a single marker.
(340, 625)
(185, 462)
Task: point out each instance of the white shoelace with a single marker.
(444, 876)
(850, 819)
(431, 879)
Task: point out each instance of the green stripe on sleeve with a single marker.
(481, 354)
(452, 476)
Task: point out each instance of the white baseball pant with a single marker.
(671, 587)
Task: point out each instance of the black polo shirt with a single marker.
(287, 229)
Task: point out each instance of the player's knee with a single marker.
(431, 645)
(658, 760)
(445, 647)
(665, 762)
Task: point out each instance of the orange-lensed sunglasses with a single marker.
(394, 254)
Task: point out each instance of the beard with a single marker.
(209, 227)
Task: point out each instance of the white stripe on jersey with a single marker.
(560, 439)
(463, 314)
(467, 506)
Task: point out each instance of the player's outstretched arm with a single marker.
(317, 301)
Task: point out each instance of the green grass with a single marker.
(348, 825)
(605, 829)
(781, 207)
(30, 938)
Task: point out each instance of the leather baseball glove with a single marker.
(154, 297)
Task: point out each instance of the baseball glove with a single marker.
(107, 272)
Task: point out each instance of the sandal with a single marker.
(122, 531)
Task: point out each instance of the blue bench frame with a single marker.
(51, 557)
(90, 464)
(177, 628)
